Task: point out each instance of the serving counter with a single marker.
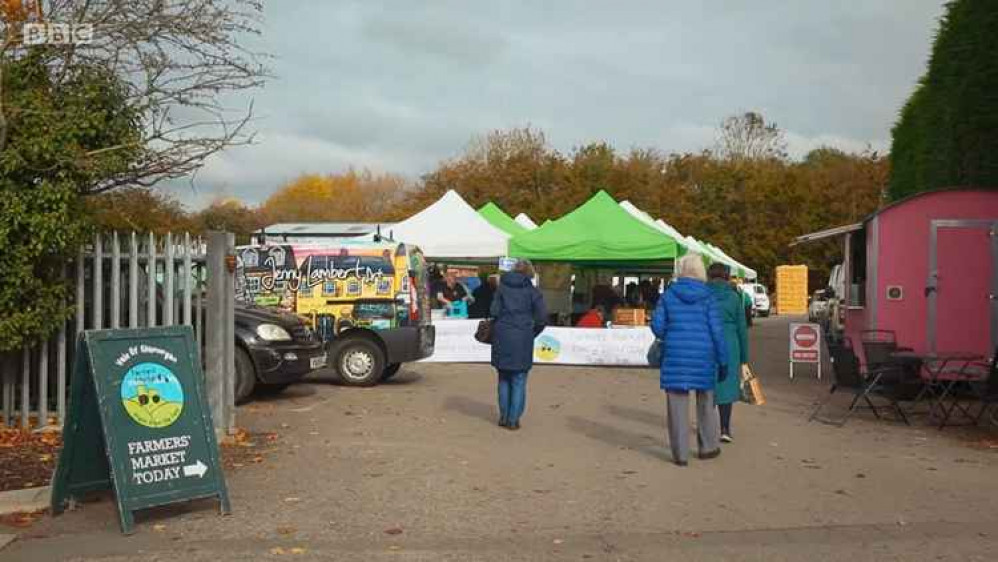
(624, 346)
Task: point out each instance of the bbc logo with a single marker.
(58, 33)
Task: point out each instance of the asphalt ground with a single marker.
(418, 470)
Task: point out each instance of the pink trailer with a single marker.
(927, 269)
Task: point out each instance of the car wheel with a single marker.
(271, 389)
(245, 381)
(359, 362)
(390, 371)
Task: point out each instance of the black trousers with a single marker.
(725, 411)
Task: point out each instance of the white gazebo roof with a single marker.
(450, 228)
(526, 222)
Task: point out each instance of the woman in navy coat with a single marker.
(520, 316)
(694, 354)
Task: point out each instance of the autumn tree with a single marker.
(230, 215)
(752, 201)
(514, 168)
(139, 209)
(349, 197)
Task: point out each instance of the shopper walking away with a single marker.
(731, 308)
(747, 303)
(688, 322)
(520, 315)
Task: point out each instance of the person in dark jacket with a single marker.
(520, 316)
(483, 297)
(688, 322)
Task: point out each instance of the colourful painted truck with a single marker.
(366, 300)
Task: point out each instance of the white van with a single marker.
(760, 298)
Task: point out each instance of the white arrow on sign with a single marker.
(197, 469)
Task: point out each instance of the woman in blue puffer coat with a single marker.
(694, 354)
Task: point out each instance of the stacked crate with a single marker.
(791, 289)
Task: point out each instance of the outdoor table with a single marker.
(940, 378)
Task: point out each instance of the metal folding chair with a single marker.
(847, 374)
(978, 381)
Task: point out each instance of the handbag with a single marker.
(483, 334)
(751, 388)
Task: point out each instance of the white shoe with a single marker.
(725, 438)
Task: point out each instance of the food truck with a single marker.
(365, 299)
(924, 268)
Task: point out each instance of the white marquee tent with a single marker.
(526, 222)
(452, 229)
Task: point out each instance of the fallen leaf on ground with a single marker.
(297, 550)
(277, 550)
(292, 500)
(159, 528)
(286, 530)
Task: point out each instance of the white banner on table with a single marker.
(455, 343)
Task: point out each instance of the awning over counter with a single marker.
(825, 234)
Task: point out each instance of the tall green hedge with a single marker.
(947, 134)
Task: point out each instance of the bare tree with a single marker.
(749, 137)
(177, 59)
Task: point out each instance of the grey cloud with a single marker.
(398, 86)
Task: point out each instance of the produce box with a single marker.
(630, 316)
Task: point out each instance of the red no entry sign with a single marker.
(805, 336)
(804, 343)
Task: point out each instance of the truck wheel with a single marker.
(245, 376)
(390, 371)
(359, 362)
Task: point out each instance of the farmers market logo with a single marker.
(152, 395)
(547, 348)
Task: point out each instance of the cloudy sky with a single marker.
(398, 86)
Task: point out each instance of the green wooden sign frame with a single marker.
(138, 423)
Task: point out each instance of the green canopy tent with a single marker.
(499, 219)
(598, 233)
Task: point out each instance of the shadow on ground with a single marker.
(471, 408)
(622, 439)
(640, 416)
(328, 377)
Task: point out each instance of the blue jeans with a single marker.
(512, 396)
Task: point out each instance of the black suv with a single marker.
(273, 350)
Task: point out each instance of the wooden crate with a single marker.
(630, 316)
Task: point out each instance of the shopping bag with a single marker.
(751, 388)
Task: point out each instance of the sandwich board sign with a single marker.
(805, 345)
(138, 423)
